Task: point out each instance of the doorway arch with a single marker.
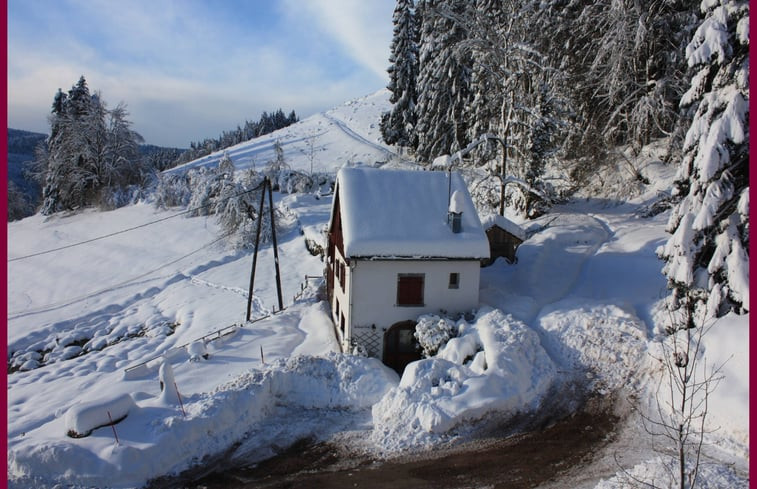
(400, 346)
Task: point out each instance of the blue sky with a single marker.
(189, 69)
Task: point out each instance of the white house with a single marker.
(401, 244)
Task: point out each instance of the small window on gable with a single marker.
(454, 280)
(410, 289)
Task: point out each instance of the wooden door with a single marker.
(400, 346)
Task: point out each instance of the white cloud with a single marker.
(362, 27)
(187, 72)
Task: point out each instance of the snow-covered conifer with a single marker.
(399, 124)
(68, 152)
(707, 256)
(443, 79)
(90, 152)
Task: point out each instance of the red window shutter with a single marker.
(410, 290)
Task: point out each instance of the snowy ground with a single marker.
(95, 322)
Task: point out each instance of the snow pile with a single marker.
(726, 346)
(604, 341)
(155, 437)
(169, 392)
(496, 364)
(723, 362)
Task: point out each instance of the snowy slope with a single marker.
(345, 134)
(584, 296)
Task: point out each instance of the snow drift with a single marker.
(495, 365)
(156, 436)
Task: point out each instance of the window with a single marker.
(410, 289)
(342, 275)
(454, 280)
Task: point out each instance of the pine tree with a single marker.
(91, 155)
(484, 111)
(707, 259)
(398, 125)
(68, 152)
(443, 79)
(514, 97)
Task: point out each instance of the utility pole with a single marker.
(275, 245)
(266, 186)
(257, 244)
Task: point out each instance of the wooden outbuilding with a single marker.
(504, 238)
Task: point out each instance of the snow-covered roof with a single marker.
(505, 224)
(403, 214)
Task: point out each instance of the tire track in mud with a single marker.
(529, 459)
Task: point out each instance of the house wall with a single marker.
(340, 302)
(374, 290)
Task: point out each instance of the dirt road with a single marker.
(521, 461)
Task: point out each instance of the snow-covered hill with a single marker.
(345, 134)
(99, 319)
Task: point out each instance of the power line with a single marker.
(111, 287)
(115, 233)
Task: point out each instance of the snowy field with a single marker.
(95, 329)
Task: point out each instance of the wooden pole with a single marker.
(275, 246)
(181, 403)
(113, 425)
(255, 255)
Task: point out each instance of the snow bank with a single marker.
(604, 341)
(496, 364)
(723, 357)
(726, 345)
(85, 417)
(157, 439)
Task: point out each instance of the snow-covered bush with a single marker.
(205, 185)
(172, 190)
(115, 197)
(294, 182)
(433, 332)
